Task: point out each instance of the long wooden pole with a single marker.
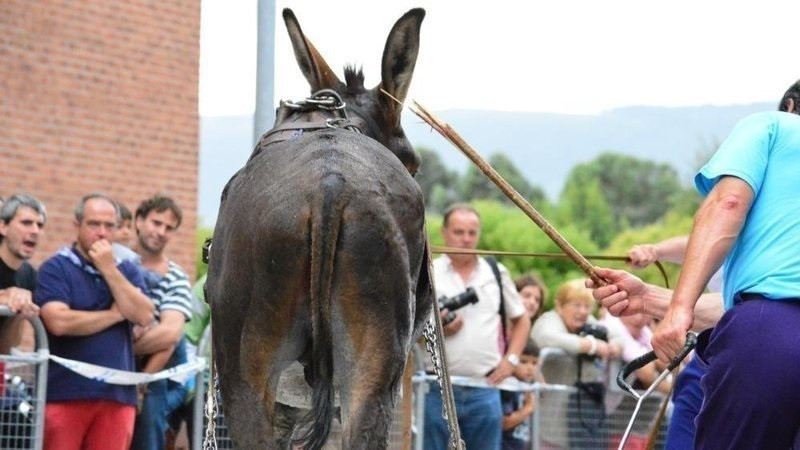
(445, 130)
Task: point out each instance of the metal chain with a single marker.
(211, 407)
(434, 344)
(211, 411)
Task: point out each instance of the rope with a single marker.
(466, 251)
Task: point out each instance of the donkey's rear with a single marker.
(319, 256)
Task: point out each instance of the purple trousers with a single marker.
(752, 388)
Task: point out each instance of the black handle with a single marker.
(647, 358)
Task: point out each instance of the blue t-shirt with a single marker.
(764, 151)
(68, 277)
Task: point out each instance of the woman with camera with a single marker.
(585, 347)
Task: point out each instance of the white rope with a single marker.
(179, 374)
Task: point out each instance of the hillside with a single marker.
(544, 146)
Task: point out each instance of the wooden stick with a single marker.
(445, 130)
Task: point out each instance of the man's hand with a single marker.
(454, 326)
(641, 256)
(624, 293)
(669, 336)
(20, 301)
(102, 256)
(500, 373)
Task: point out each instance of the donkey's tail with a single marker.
(324, 236)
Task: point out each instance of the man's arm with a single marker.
(132, 303)
(164, 335)
(520, 327)
(158, 360)
(716, 227)
(626, 295)
(670, 250)
(61, 320)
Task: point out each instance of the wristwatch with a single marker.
(513, 359)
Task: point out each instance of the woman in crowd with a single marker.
(586, 346)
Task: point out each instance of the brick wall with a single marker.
(100, 96)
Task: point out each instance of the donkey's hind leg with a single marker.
(248, 394)
(371, 406)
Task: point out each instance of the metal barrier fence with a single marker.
(564, 418)
(23, 387)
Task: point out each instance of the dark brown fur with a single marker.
(319, 256)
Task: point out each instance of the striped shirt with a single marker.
(172, 292)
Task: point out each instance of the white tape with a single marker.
(179, 374)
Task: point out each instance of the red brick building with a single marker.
(100, 96)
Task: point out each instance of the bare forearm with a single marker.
(716, 227)
(10, 333)
(164, 335)
(132, 303)
(707, 310)
(80, 323)
(520, 327)
(672, 249)
(156, 339)
(158, 360)
(515, 418)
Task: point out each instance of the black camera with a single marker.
(596, 330)
(455, 302)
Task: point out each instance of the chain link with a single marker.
(211, 411)
(434, 342)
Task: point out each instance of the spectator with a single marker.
(472, 337)
(123, 235)
(572, 328)
(749, 220)
(88, 303)
(162, 344)
(22, 219)
(533, 293)
(517, 406)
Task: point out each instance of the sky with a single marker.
(565, 56)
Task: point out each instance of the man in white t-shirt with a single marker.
(474, 339)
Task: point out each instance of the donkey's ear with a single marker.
(313, 66)
(399, 58)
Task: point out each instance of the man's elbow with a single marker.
(733, 203)
(56, 327)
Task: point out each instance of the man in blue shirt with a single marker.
(88, 305)
(750, 220)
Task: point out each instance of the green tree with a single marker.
(476, 185)
(436, 181)
(636, 191)
(586, 207)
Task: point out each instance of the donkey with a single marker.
(320, 255)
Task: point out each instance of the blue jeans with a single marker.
(162, 398)
(480, 418)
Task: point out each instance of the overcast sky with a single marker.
(578, 57)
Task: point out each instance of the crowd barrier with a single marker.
(23, 386)
(562, 418)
